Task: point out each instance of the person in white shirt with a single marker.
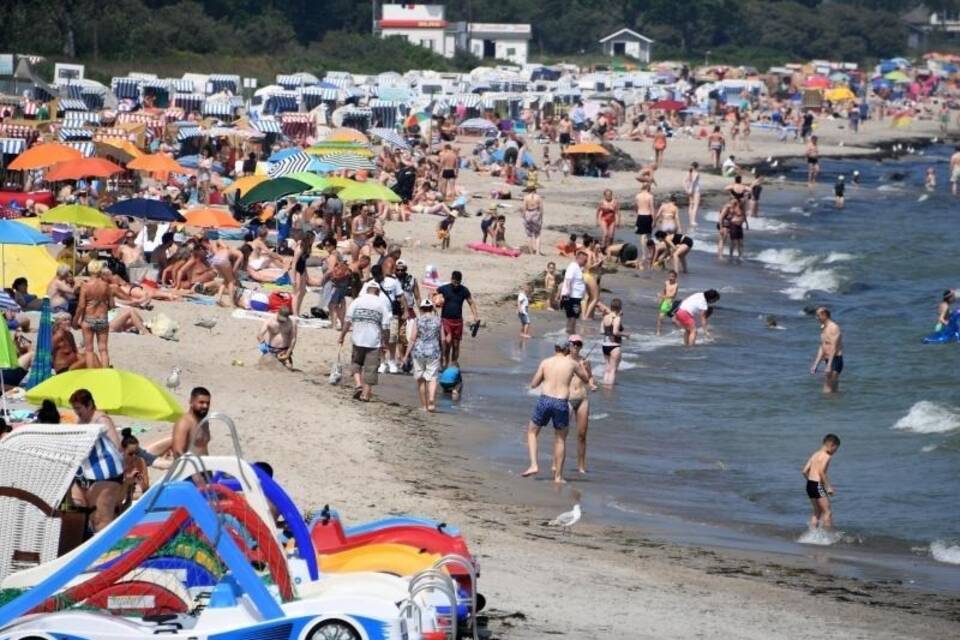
(368, 318)
(729, 167)
(523, 311)
(572, 290)
(692, 307)
(391, 293)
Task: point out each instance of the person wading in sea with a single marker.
(830, 352)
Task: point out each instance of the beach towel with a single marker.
(303, 323)
(42, 367)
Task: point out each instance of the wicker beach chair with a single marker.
(37, 465)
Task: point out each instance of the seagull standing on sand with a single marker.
(567, 520)
(173, 380)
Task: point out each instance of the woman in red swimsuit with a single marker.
(608, 217)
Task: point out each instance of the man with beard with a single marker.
(186, 436)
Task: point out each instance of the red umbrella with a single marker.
(817, 82)
(82, 168)
(669, 105)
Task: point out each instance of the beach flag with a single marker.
(42, 367)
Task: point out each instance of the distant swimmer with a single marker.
(839, 188)
(943, 309)
(830, 351)
(819, 488)
(554, 374)
(954, 169)
(856, 178)
(931, 180)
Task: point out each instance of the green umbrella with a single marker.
(363, 191)
(272, 190)
(315, 182)
(9, 359)
(77, 215)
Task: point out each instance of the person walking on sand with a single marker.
(716, 144)
(99, 481)
(580, 400)
(573, 289)
(368, 321)
(955, 169)
(693, 306)
(691, 185)
(830, 351)
(659, 146)
(533, 217)
(553, 377)
(93, 305)
(608, 217)
(523, 310)
(646, 207)
(425, 349)
(813, 161)
(454, 294)
(819, 488)
(447, 184)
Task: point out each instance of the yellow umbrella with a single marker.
(77, 215)
(244, 184)
(115, 391)
(32, 262)
(839, 94)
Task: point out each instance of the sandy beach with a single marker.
(389, 457)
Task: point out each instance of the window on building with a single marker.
(511, 51)
(427, 43)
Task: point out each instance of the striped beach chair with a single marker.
(38, 464)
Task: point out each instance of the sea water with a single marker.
(719, 433)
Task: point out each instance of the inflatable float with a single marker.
(949, 333)
(495, 250)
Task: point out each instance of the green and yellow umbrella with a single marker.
(364, 191)
(115, 391)
(77, 215)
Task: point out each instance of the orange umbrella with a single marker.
(210, 218)
(83, 168)
(586, 148)
(118, 148)
(44, 155)
(156, 163)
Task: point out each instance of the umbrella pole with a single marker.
(3, 392)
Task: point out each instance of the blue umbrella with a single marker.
(528, 160)
(190, 162)
(147, 209)
(42, 367)
(283, 154)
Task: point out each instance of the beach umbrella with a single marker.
(15, 233)
(313, 181)
(77, 215)
(122, 150)
(346, 134)
(156, 163)
(192, 162)
(477, 123)
(390, 137)
(817, 82)
(31, 262)
(897, 76)
(272, 190)
(586, 148)
(349, 161)
(668, 105)
(210, 218)
(42, 367)
(115, 391)
(292, 163)
(283, 154)
(839, 94)
(82, 168)
(44, 155)
(365, 191)
(417, 118)
(326, 149)
(145, 208)
(9, 359)
(244, 184)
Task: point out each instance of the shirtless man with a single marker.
(555, 374)
(130, 253)
(819, 487)
(580, 401)
(813, 161)
(278, 336)
(448, 172)
(646, 207)
(954, 170)
(186, 436)
(830, 351)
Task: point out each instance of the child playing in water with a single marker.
(523, 311)
(819, 487)
(931, 182)
(444, 229)
(550, 284)
(666, 297)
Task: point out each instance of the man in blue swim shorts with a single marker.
(553, 376)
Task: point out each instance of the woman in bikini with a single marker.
(613, 334)
(360, 231)
(533, 218)
(300, 256)
(716, 143)
(224, 261)
(94, 303)
(673, 246)
(668, 216)
(608, 217)
(339, 275)
(591, 275)
(724, 223)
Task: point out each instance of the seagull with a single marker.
(566, 520)
(173, 380)
(206, 323)
(775, 164)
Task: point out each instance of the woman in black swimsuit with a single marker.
(675, 246)
(613, 334)
(753, 205)
(300, 256)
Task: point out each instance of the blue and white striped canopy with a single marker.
(391, 137)
(65, 134)
(72, 104)
(182, 85)
(267, 126)
(86, 147)
(12, 146)
(7, 303)
(218, 108)
(126, 88)
(348, 161)
(293, 163)
(185, 133)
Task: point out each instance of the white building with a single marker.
(627, 43)
(425, 25)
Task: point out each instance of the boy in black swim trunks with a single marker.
(818, 484)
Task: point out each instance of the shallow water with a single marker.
(719, 433)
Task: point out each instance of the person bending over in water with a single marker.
(698, 304)
(555, 374)
(830, 351)
(819, 487)
(943, 309)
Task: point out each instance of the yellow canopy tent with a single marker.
(31, 262)
(839, 94)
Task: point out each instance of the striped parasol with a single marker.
(391, 137)
(348, 161)
(293, 163)
(7, 303)
(42, 367)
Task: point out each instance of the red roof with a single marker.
(413, 24)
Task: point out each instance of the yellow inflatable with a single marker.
(398, 559)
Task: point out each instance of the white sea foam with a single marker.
(889, 187)
(599, 416)
(929, 417)
(786, 260)
(820, 537)
(943, 552)
(797, 210)
(837, 256)
(813, 280)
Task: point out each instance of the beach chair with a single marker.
(38, 464)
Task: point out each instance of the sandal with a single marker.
(357, 393)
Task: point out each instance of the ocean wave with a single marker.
(837, 256)
(929, 417)
(756, 224)
(786, 260)
(943, 552)
(812, 280)
(820, 537)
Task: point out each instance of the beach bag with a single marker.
(336, 371)
(278, 299)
